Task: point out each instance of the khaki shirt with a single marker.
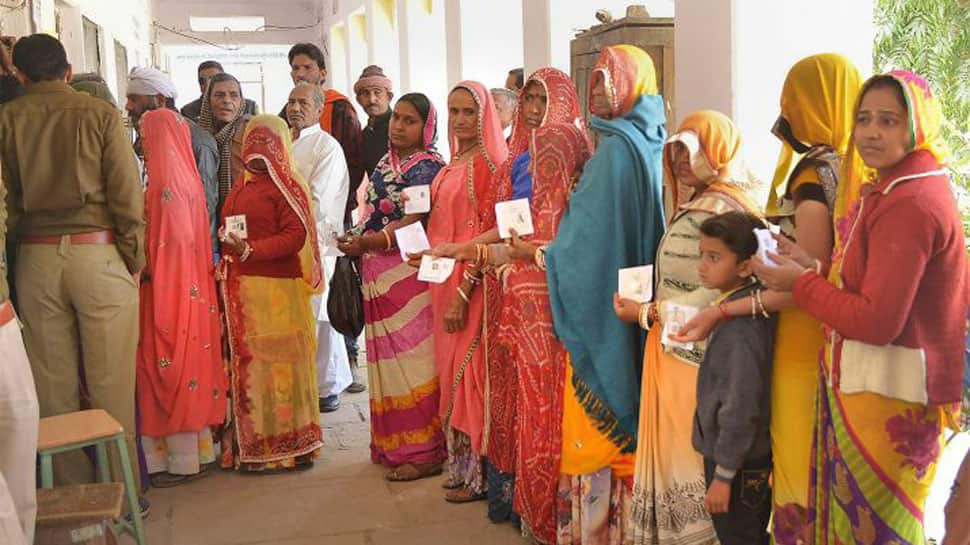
(69, 168)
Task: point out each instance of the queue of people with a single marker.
(806, 400)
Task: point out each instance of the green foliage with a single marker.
(932, 38)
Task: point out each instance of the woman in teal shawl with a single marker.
(615, 220)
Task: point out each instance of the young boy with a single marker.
(731, 422)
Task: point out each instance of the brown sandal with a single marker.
(464, 495)
(413, 472)
(448, 485)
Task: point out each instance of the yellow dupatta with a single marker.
(817, 101)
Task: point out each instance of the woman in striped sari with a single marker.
(894, 302)
(406, 431)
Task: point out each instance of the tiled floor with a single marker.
(343, 500)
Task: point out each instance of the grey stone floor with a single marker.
(343, 500)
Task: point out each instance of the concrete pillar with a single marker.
(382, 37)
(537, 34)
(403, 45)
(453, 40)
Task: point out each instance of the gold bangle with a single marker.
(761, 304)
(540, 257)
(643, 317)
(472, 278)
(387, 238)
(246, 253)
(463, 296)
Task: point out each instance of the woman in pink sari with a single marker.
(181, 379)
(461, 206)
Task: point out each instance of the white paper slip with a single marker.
(236, 225)
(419, 199)
(435, 269)
(675, 316)
(514, 215)
(327, 238)
(412, 239)
(766, 243)
(636, 283)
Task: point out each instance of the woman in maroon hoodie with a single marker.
(894, 305)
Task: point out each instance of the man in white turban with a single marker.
(151, 89)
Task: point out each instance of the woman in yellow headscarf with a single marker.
(815, 127)
(268, 276)
(703, 159)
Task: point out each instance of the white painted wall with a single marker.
(265, 64)
(733, 56)
(491, 37)
(292, 14)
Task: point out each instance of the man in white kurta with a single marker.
(19, 418)
(318, 157)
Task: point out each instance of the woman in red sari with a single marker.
(268, 279)
(558, 151)
(181, 378)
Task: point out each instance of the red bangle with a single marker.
(724, 312)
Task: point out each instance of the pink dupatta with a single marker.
(462, 201)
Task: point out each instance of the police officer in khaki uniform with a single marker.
(75, 207)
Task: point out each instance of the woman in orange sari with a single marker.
(267, 281)
(181, 378)
(704, 157)
(461, 204)
(815, 128)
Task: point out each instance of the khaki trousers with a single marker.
(80, 299)
(18, 438)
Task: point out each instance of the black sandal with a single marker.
(168, 480)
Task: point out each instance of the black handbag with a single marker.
(345, 303)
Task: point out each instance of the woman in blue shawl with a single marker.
(615, 220)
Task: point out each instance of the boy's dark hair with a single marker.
(736, 231)
(41, 57)
(309, 50)
(210, 64)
